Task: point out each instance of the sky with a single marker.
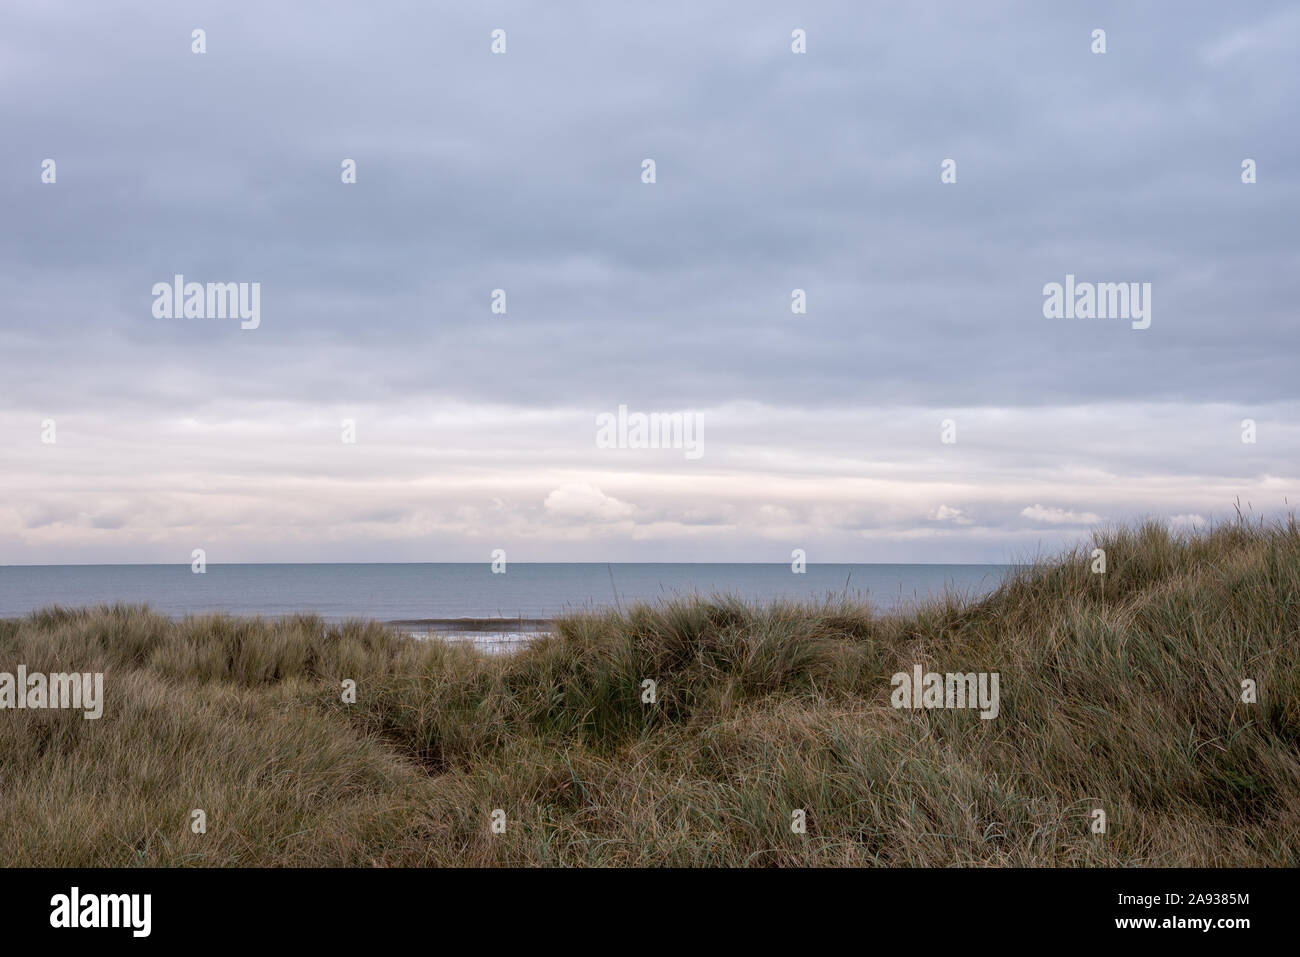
(922, 409)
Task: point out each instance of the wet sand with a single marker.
(490, 634)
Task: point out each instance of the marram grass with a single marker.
(1119, 692)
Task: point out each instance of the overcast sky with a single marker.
(523, 171)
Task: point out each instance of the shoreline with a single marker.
(491, 635)
(473, 624)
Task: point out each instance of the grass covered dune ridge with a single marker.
(1119, 691)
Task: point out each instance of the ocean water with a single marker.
(427, 593)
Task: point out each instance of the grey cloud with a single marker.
(775, 172)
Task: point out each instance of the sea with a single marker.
(469, 601)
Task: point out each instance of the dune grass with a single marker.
(1119, 691)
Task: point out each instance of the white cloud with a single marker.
(946, 514)
(261, 482)
(581, 501)
(1059, 516)
(1277, 33)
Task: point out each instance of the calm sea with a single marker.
(400, 592)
